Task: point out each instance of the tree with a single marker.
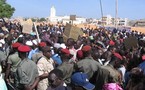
(6, 11)
(42, 19)
(33, 19)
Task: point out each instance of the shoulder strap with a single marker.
(38, 59)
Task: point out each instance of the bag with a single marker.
(111, 86)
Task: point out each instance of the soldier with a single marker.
(27, 73)
(13, 62)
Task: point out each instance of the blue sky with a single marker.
(132, 9)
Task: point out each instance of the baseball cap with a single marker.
(81, 79)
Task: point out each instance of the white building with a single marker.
(109, 20)
(64, 19)
(123, 22)
(52, 12)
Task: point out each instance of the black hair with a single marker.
(45, 49)
(21, 40)
(57, 72)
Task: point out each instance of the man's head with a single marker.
(41, 45)
(55, 78)
(23, 51)
(15, 46)
(87, 50)
(65, 54)
(46, 51)
(70, 42)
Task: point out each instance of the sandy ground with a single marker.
(140, 29)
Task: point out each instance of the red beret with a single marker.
(42, 44)
(86, 48)
(65, 51)
(118, 56)
(16, 45)
(111, 42)
(24, 48)
(79, 54)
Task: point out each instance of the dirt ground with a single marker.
(140, 29)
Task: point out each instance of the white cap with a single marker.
(35, 42)
(21, 35)
(57, 45)
(63, 46)
(29, 43)
(2, 41)
(1, 34)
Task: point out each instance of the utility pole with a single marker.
(116, 14)
(101, 11)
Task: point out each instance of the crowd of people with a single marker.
(97, 60)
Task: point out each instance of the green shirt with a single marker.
(88, 66)
(67, 69)
(26, 73)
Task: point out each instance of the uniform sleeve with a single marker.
(80, 67)
(23, 77)
(2, 56)
(9, 60)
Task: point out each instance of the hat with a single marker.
(81, 79)
(16, 45)
(86, 48)
(2, 41)
(111, 42)
(57, 45)
(21, 35)
(42, 44)
(35, 42)
(118, 56)
(29, 43)
(24, 48)
(65, 51)
(91, 37)
(1, 34)
(79, 54)
(63, 45)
